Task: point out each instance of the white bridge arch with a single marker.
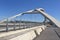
(39, 10)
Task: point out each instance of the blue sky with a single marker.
(9, 8)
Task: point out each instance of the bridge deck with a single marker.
(48, 34)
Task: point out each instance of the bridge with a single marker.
(29, 30)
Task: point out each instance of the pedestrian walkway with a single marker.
(48, 34)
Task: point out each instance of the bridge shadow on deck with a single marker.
(49, 34)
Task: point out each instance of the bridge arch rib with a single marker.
(40, 11)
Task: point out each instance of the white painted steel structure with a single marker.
(39, 10)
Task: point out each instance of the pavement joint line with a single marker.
(57, 33)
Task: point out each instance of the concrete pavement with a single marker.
(48, 34)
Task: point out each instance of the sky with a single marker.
(10, 8)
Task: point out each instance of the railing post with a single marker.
(19, 24)
(24, 25)
(7, 25)
(14, 25)
(30, 25)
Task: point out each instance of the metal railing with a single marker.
(15, 25)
